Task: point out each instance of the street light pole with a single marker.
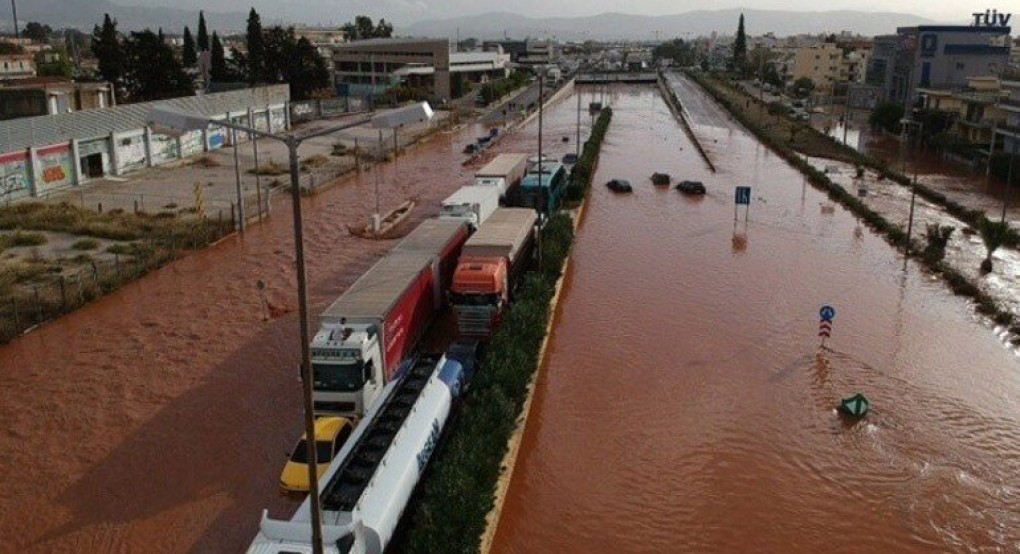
(1009, 180)
(577, 141)
(237, 178)
(14, 12)
(306, 355)
(913, 195)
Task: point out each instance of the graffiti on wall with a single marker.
(55, 169)
(164, 148)
(217, 138)
(13, 176)
(279, 119)
(191, 144)
(130, 151)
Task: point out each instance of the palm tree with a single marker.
(993, 233)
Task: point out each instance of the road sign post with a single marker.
(826, 314)
(742, 195)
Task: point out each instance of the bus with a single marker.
(543, 187)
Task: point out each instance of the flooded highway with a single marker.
(685, 405)
(158, 418)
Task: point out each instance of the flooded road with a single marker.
(685, 406)
(158, 418)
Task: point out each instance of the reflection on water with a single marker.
(685, 406)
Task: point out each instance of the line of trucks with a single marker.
(365, 359)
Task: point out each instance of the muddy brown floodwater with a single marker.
(685, 405)
(158, 418)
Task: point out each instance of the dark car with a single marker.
(569, 159)
(471, 148)
(619, 185)
(691, 187)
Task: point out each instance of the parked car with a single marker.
(691, 187)
(569, 159)
(619, 185)
(331, 433)
(471, 149)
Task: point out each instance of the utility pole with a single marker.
(14, 12)
(306, 353)
(846, 114)
(577, 141)
(913, 195)
(1009, 180)
(991, 150)
(237, 177)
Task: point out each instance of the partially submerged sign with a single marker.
(855, 406)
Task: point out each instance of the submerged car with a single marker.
(660, 178)
(569, 159)
(619, 185)
(691, 187)
(331, 433)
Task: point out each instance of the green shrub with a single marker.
(85, 244)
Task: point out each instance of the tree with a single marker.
(297, 62)
(256, 48)
(188, 55)
(740, 48)
(383, 29)
(203, 33)
(37, 32)
(106, 46)
(362, 28)
(886, 115)
(153, 71)
(938, 238)
(681, 53)
(218, 70)
(802, 87)
(59, 67)
(994, 234)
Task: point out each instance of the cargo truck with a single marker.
(491, 264)
(366, 336)
(504, 172)
(471, 204)
(367, 486)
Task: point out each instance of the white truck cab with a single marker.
(347, 368)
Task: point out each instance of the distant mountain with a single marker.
(626, 26)
(84, 14)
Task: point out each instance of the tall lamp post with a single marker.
(913, 185)
(1009, 179)
(174, 120)
(14, 12)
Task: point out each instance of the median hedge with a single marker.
(584, 169)
(894, 234)
(449, 513)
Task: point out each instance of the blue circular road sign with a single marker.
(827, 313)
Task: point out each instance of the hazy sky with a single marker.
(406, 11)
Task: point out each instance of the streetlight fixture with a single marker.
(394, 119)
(168, 118)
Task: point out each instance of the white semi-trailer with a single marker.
(504, 172)
(471, 204)
(367, 486)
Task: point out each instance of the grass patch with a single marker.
(21, 238)
(85, 244)
(317, 160)
(270, 168)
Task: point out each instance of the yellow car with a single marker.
(330, 435)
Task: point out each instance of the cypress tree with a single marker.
(740, 48)
(203, 34)
(107, 47)
(256, 48)
(218, 63)
(189, 56)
